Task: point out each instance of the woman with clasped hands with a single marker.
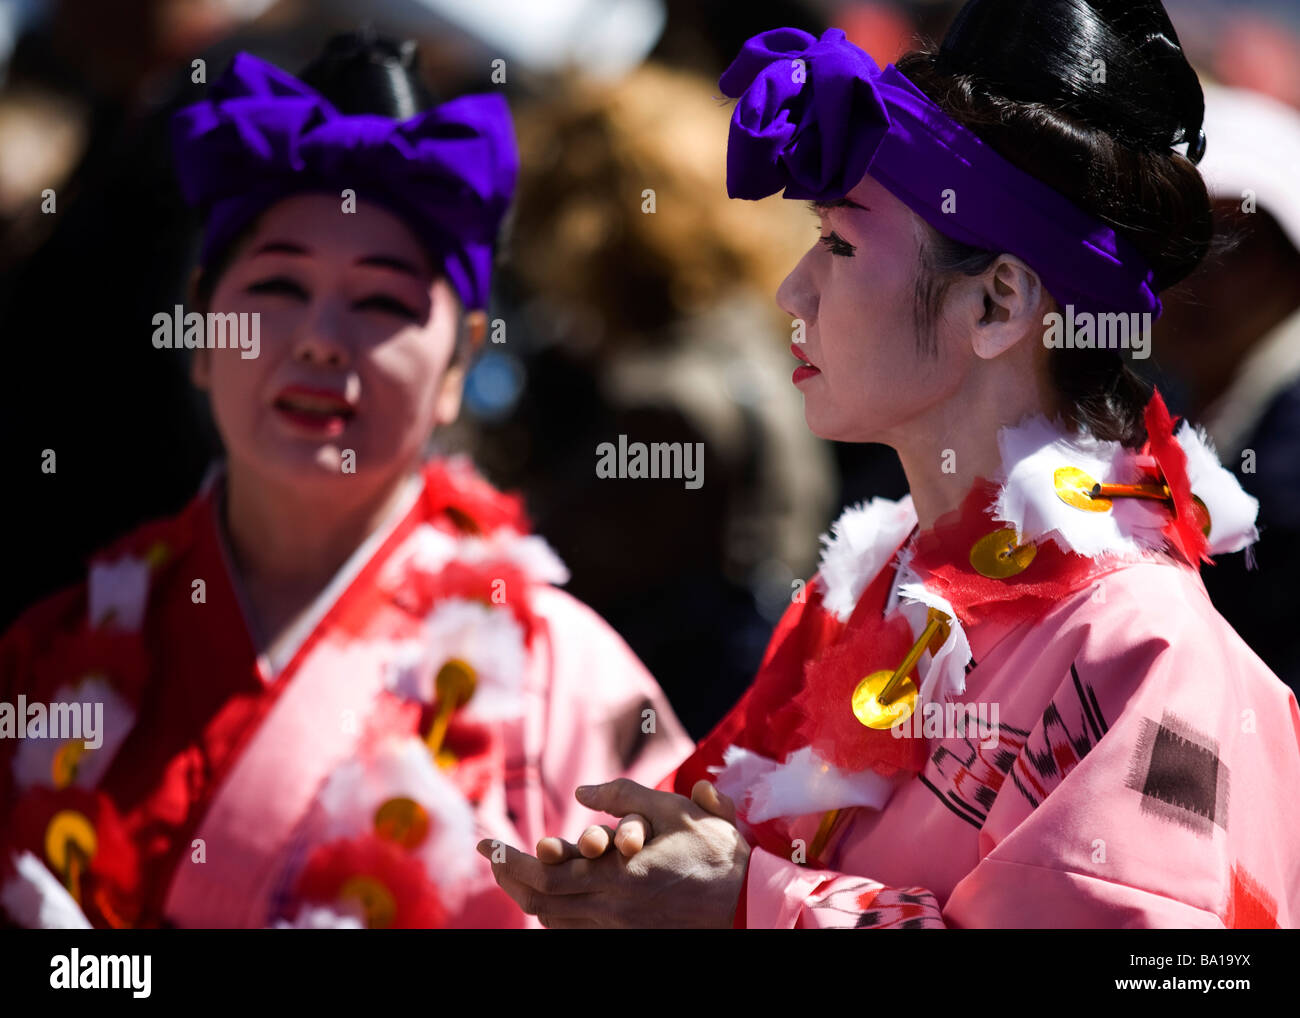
(1042, 576)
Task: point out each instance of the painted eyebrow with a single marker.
(280, 247)
(381, 261)
(838, 203)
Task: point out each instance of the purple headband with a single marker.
(262, 135)
(815, 115)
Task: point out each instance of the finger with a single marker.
(565, 878)
(595, 841)
(632, 834)
(554, 851)
(623, 796)
(557, 923)
(705, 794)
(528, 900)
(554, 907)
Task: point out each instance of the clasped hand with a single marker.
(673, 862)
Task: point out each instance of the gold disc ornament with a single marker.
(1202, 515)
(402, 820)
(455, 683)
(872, 711)
(70, 844)
(1000, 555)
(67, 758)
(69, 831)
(377, 903)
(1074, 488)
(884, 698)
(454, 686)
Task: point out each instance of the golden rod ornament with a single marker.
(454, 685)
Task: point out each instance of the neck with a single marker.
(293, 537)
(955, 442)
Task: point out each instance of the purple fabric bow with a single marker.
(809, 116)
(815, 115)
(262, 134)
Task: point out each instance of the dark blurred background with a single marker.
(661, 327)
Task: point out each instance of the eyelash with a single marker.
(279, 284)
(833, 242)
(377, 302)
(837, 245)
(391, 305)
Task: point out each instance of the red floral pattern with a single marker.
(109, 886)
(336, 869)
(455, 488)
(44, 653)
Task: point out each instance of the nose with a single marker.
(319, 341)
(797, 296)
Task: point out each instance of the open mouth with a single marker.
(319, 411)
(806, 368)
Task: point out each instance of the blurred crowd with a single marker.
(661, 327)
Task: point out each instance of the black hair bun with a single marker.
(1117, 65)
(364, 72)
(1089, 97)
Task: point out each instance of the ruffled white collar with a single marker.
(1033, 451)
(862, 541)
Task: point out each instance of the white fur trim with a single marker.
(530, 553)
(431, 550)
(487, 638)
(944, 673)
(1032, 452)
(861, 543)
(803, 784)
(427, 550)
(1232, 511)
(34, 758)
(35, 899)
(740, 769)
(118, 592)
(403, 767)
(408, 672)
(319, 917)
(492, 641)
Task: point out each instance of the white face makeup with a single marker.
(357, 340)
(855, 291)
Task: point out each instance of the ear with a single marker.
(473, 330)
(1011, 307)
(474, 324)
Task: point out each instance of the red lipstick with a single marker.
(322, 413)
(806, 369)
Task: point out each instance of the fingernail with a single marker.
(583, 792)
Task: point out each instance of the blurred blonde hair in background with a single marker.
(589, 152)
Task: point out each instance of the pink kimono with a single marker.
(341, 784)
(1120, 757)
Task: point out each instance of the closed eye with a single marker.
(386, 304)
(278, 285)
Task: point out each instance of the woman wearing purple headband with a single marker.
(341, 663)
(1004, 700)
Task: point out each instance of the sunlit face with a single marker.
(855, 291)
(357, 336)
